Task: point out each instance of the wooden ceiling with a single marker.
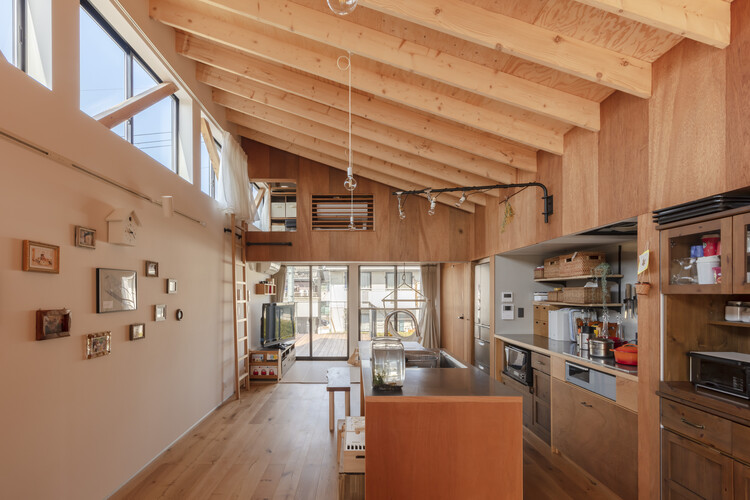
(444, 92)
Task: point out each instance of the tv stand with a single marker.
(271, 363)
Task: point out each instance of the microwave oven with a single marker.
(726, 372)
(518, 364)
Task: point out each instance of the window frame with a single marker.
(131, 58)
(18, 57)
(388, 269)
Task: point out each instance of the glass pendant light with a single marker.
(342, 7)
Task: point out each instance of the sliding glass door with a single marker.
(322, 314)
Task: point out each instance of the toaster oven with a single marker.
(726, 372)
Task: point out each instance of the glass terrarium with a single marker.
(388, 363)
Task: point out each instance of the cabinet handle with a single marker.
(697, 426)
(541, 363)
(584, 403)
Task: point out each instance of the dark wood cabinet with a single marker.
(692, 470)
(741, 481)
(598, 436)
(741, 253)
(541, 415)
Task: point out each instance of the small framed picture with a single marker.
(98, 344)
(171, 286)
(85, 237)
(116, 290)
(53, 323)
(40, 257)
(152, 269)
(160, 312)
(138, 331)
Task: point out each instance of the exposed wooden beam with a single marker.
(131, 107)
(361, 127)
(208, 140)
(396, 171)
(259, 197)
(359, 171)
(377, 110)
(419, 59)
(706, 21)
(249, 114)
(241, 33)
(524, 40)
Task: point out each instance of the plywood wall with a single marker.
(443, 237)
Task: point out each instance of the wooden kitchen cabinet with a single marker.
(598, 436)
(741, 481)
(528, 399)
(741, 253)
(692, 470)
(675, 244)
(541, 415)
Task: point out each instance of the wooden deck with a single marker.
(325, 345)
(274, 443)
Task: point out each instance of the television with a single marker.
(276, 324)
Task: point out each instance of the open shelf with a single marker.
(730, 323)
(571, 304)
(571, 278)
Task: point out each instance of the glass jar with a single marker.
(733, 311)
(388, 363)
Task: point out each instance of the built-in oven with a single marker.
(518, 364)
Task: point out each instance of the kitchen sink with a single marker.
(431, 359)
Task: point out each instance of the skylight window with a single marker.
(111, 72)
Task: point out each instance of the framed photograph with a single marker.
(85, 237)
(138, 331)
(152, 269)
(160, 312)
(116, 290)
(52, 323)
(98, 344)
(40, 257)
(171, 286)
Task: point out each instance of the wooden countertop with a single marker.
(570, 352)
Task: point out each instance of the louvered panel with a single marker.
(334, 212)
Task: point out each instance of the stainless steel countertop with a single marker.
(568, 350)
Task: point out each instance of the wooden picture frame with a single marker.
(152, 269)
(52, 323)
(171, 286)
(40, 257)
(160, 312)
(116, 290)
(138, 331)
(98, 344)
(85, 237)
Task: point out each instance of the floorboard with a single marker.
(275, 444)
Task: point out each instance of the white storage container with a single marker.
(278, 227)
(291, 209)
(278, 210)
(706, 265)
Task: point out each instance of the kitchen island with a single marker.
(440, 434)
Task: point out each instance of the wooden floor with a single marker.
(275, 443)
(325, 345)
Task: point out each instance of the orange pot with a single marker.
(627, 354)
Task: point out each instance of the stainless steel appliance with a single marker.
(726, 372)
(518, 364)
(592, 380)
(482, 334)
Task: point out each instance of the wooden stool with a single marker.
(338, 380)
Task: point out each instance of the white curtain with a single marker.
(280, 278)
(429, 325)
(234, 183)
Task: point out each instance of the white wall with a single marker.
(76, 428)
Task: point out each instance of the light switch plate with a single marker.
(508, 311)
(506, 296)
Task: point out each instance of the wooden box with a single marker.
(584, 295)
(539, 273)
(555, 296)
(580, 263)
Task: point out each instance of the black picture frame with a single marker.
(116, 290)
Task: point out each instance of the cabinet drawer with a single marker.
(540, 362)
(541, 313)
(541, 386)
(696, 424)
(741, 442)
(540, 328)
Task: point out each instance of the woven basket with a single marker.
(583, 295)
(539, 273)
(555, 296)
(552, 267)
(580, 263)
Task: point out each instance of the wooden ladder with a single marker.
(241, 310)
